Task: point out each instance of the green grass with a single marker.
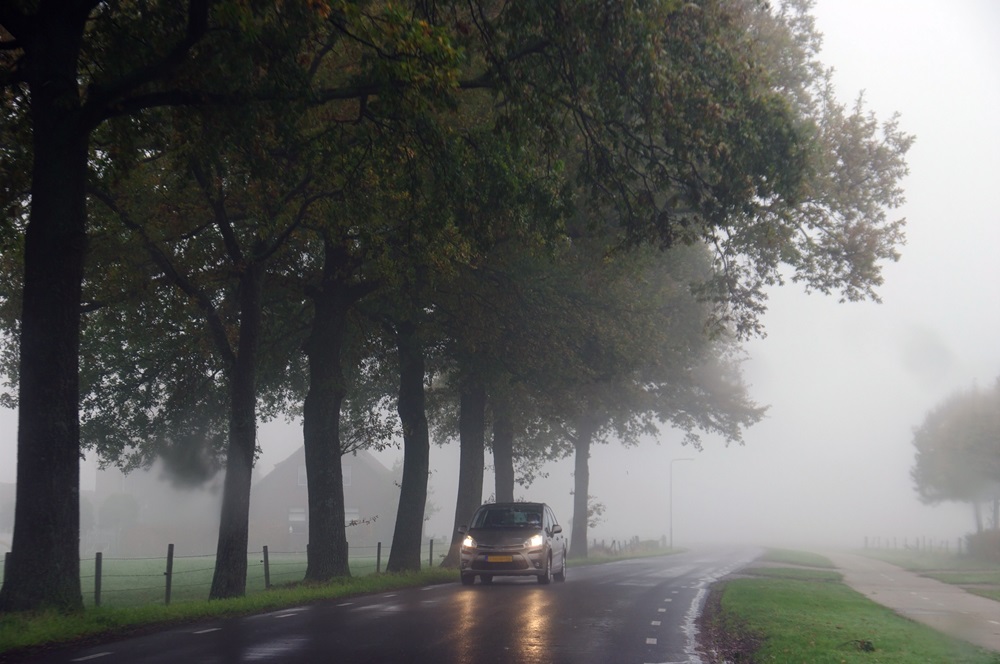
(975, 576)
(919, 561)
(28, 630)
(803, 558)
(797, 573)
(139, 582)
(814, 618)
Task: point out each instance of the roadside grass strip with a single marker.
(800, 558)
(24, 631)
(806, 615)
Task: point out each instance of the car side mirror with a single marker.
(463, 529)
(556, 529)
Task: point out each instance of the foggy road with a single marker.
(630, 611)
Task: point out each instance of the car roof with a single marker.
(516, 505)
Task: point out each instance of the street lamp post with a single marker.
(670, 500)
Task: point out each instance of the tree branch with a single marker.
(215, 325)
(100, 98)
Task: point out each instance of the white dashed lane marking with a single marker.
(207, 631)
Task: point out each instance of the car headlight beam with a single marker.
(468, 542)
(534, 541)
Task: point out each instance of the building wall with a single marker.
(279, 504)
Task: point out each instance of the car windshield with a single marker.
(508, 517)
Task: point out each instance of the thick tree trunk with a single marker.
(503, 451)
(472, 450)
(43, 570)
(404, 555)
(581, 487)
(328, 552)
(230, 576)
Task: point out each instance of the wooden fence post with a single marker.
(430, 556)
(98, 559)
(170, 571)
(267, 570)
(378, 558)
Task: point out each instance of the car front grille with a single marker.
(518, 546)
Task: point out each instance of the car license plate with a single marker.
(499, 559)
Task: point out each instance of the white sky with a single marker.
(846, 382)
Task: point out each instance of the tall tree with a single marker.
(66, 71)
(958, 452)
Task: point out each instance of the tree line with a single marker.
(545, 224)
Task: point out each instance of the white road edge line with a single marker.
(206, 631)
(94, 656)
(691, 626)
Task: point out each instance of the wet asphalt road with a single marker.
(631, 611)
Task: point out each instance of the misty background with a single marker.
(846, 383)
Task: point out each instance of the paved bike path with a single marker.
(944, 607)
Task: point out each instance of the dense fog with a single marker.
(845, 382)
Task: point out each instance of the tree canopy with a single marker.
(273, 160)
(958, 452)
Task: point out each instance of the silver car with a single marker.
(513, 539)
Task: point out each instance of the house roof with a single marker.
(298, 458)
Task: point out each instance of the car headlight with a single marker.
(468, 542)
(534, 541)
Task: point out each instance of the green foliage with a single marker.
(958, 449)
(481, 168)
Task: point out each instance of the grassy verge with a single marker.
(799, 558)
(19, 631)
(802, 614)
(975, 576)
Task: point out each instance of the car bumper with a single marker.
(504, 562)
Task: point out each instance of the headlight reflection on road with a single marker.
(533, 641)
(466, 627)
(521, 613)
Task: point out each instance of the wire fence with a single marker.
(927, 544)
(133, 582)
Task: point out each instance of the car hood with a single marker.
(502, 536)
